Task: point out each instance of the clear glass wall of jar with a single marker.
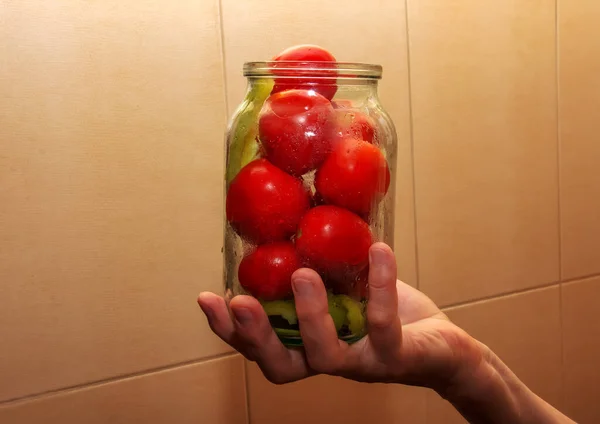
(309, 182)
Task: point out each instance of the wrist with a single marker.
(485, 391)
(489, 392)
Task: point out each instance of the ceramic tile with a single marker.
(524, 331)
(209, 393)
(324, 400)
(112, 115)
(579, 64)
(354, 32)
(581, 338)
(483, 85)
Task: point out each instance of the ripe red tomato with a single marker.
(266, 273)
(355, 176)
(355, 124)
(360, 288)
(333, 241)
(264, 203)
(295, 130)
(307, 53)
(355, 286)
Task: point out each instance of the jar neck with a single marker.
(356, 90)
(346, 80)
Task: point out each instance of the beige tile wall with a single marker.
(204, 392)
(485, 146)
(581, 346)
(111, 122)
(326, 400)
(579, 64)
(112, 117)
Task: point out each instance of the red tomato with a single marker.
(264, 203)
(355, 124)
(355, 286)
(295, 130)
(355, 176)
(266, 273)
(360, 288)
(333, 241)
(306, 53)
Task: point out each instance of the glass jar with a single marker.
(309, 182)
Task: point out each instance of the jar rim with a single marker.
(304, 69)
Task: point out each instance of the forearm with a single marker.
(491, 393)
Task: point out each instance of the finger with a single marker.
(258, 342)
(385, 329)
(217, 313)
(324, 351)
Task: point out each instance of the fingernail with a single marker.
(242, 315)
(302, 287)
(377, 257)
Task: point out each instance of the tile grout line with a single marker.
(558, 144)
(562, 347)
(226, 94)
(500, 295)
(559, 203)
(412, 146)
(580, 278)
(113, 379)
(223, 57)
(520, 291)
(247, 392)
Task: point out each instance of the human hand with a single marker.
(410, 340)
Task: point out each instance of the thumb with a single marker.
(385, 329)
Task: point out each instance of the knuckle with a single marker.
(378, 287)
(460, 342)
(380, 319)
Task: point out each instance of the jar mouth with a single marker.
(301, 69)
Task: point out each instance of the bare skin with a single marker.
(410, 341)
